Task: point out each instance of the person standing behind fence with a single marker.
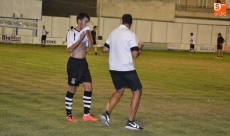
(44, 33)
(220, 42)
(192, 43)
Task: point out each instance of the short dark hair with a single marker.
(71, 27)
(82, 15)
(127, 19)
(94, 27)
(191, 33)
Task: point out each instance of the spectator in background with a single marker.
(192, 43)
(220, 42)
(44, 33)
(94, 33)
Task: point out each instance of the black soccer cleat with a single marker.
(132, 125)
(105, 119)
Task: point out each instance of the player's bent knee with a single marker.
(120, 91)
(72, 89)
(88, 88)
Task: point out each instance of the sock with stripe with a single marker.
(87, 102)
(69, 103)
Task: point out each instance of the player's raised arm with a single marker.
(71, 46)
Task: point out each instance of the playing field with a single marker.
(183, 95)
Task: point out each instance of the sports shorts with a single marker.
(78, 71)
(126, 79)
(43, 37)
(219, 47)
(192, 46)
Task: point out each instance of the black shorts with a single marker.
(43, 37)
(219, 47)
(126, 79)
(78, 71)
(192, 46)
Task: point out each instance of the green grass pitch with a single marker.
(183, 95)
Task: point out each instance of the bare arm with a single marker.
(105, 48)
(75, 45)
(136, 52)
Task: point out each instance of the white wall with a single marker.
(159, 30)
(108, 25)
(9, 30)
(28, 32)
(204, 34)
(177, 32)
(29, 8)
(174, 33)
(143, 30)
(59, 26)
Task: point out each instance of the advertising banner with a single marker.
(226, 49)
(16, 39)
(174, 46)
(49, 41)
(205, 48)
(155, 46)
(11, 39)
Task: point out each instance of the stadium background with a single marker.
(184, 95)
(161, 24)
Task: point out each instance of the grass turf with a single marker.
(182, 94)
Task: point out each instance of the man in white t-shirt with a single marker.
(192, 43)
(123, 46)
(77, 67)
(44, 33)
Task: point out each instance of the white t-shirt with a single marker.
(73, 36)
(120, 41)
(44, 32)
(193, 40)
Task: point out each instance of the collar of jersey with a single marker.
(123, 26)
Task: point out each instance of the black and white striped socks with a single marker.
(87, 102)
(69, 103)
